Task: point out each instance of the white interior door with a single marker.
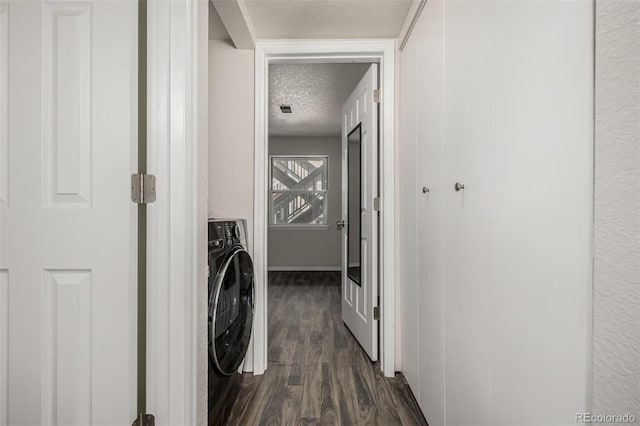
(360, 233)
(68, 133)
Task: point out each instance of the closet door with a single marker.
(518, 136)
(429, 193)
(467, 211)
(407, 224)
(541, 149)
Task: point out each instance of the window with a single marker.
(298, 191)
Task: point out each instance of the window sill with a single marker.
(299, 227)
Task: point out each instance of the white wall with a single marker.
(320, 249)
(231, 82)
(202, 360)
(498, 96)
(616, 363)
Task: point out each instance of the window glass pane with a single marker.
(299, 190)
(297, 208)
(298, 174)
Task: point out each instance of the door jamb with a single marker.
(177, 57)
(327, 51)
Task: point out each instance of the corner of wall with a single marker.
(616, 280)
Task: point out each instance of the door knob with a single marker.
(340, 224)
(425, 190)
(459, 186)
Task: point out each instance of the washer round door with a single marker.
(231, 312)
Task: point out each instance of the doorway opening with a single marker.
(311, 177)
(313, 207)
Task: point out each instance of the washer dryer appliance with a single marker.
(231, 293)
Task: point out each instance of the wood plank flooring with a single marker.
(317, 373)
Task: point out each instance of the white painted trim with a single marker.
(236, 20)
(174, 255)
(260, 214)
(303, 268)
(327, 51)
(417, 6)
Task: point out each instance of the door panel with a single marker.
(430, 211)
(408, 236)
(66, 351)
(67, 105)
(467, 248)
(67, 224)
(359, 299)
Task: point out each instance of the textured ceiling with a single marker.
(290, 19)
(316, 92)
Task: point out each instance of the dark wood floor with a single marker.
(317, 372)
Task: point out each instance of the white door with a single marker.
(469, 154)
(360, 233)
(68, 133)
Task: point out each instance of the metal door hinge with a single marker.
(377, 95)
(376, 312)
(144, 420)
(143, 188)
(376, 204)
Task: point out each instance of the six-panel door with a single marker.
(68, 130)
(359, 299)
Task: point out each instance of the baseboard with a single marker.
(304, 268)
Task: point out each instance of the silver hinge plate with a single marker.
(377, 95)
(376, 204)
(143, 188)
(145, 420)
(376, 312)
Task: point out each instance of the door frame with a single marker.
(326, 51)
(177, 143)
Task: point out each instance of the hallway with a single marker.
(318, 374)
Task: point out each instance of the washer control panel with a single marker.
(226, 233)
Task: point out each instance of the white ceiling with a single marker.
(316, 92)
(327, 18)
(310, 19)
